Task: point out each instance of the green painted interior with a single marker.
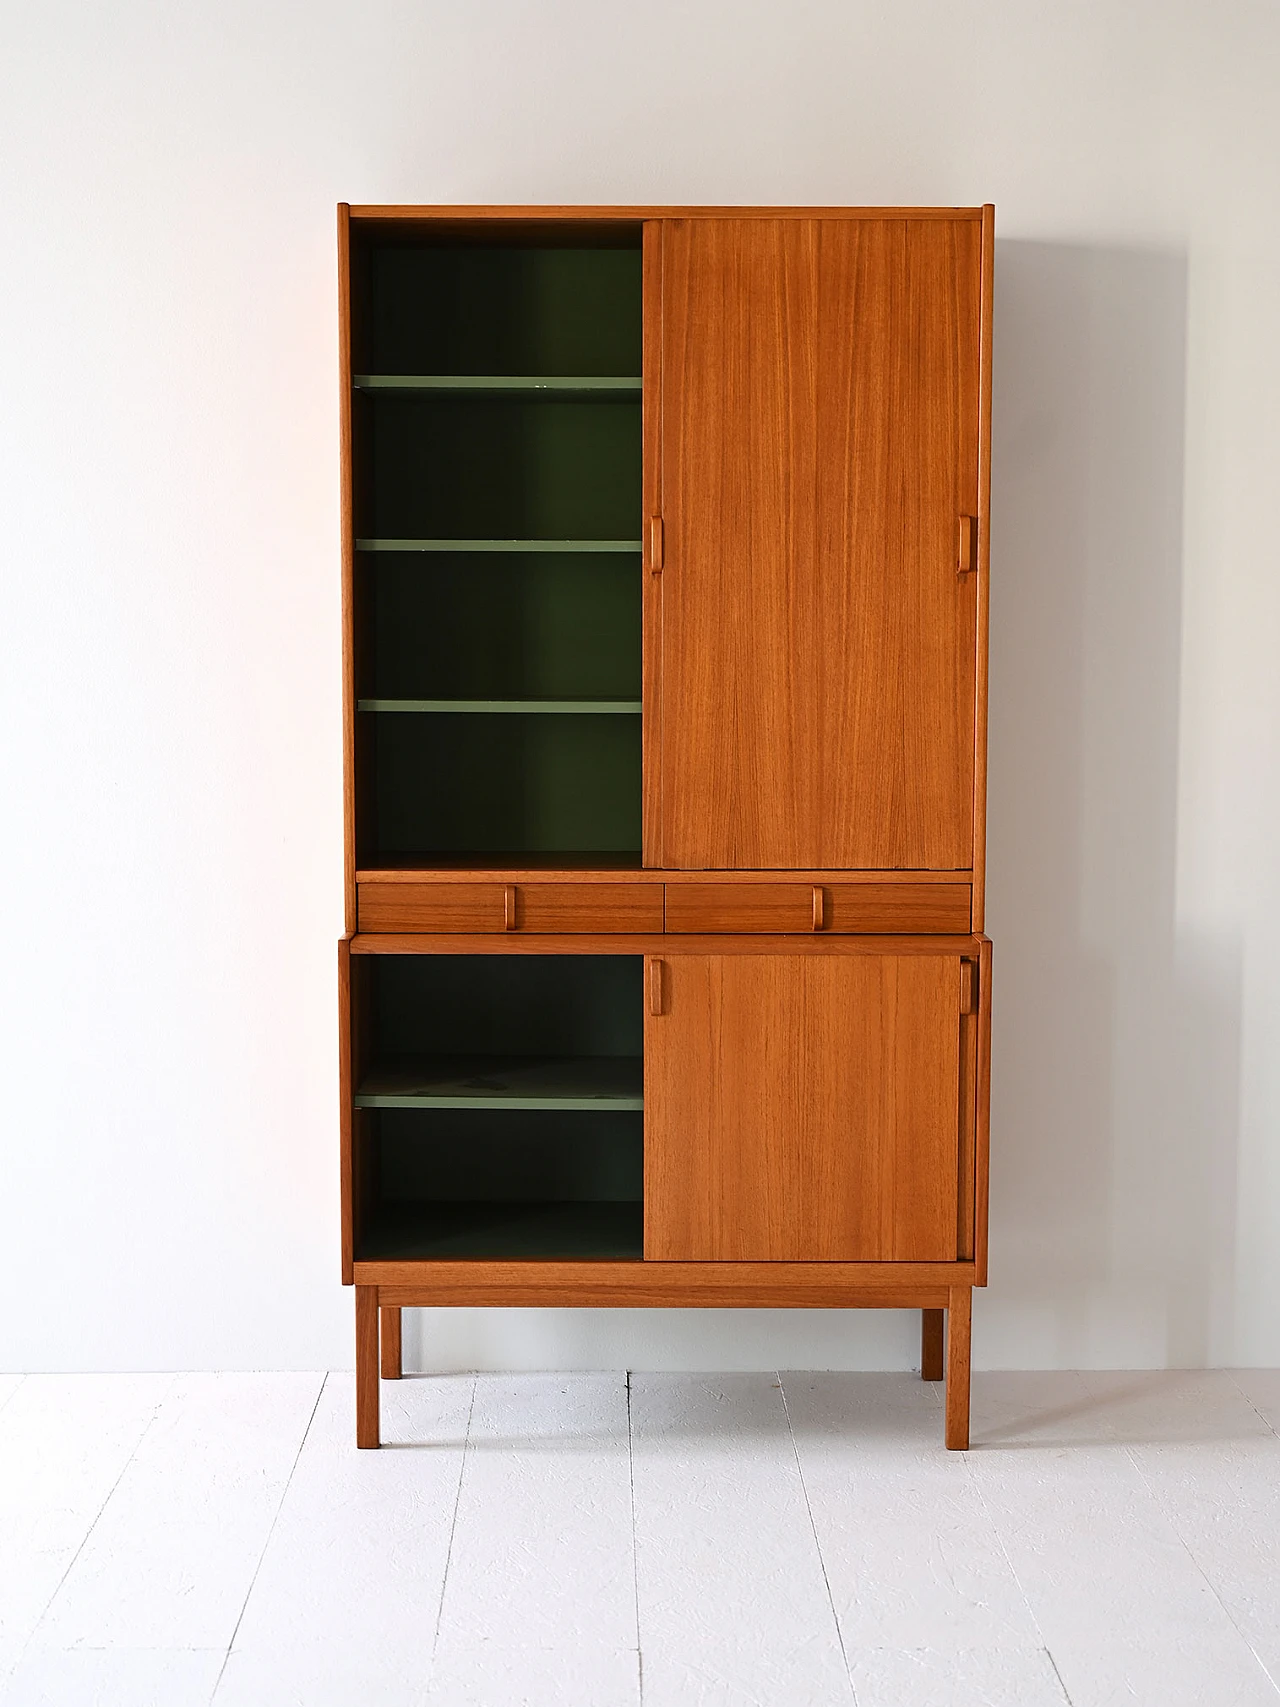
(499, 545)
(498, 509)
(496, 468)
(550, 1232)
(498, 1177)
(561, 626)
(451, 783)
(509, 1082)
(498, 385)
(509, 707)
(457, 310)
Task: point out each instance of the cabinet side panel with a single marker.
(347, 546)
(802, 1108)
(819, 446)
(984, 573)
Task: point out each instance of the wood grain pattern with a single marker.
(984, 571)
(932, 1324)
(396, 213)
(346, 1089)
(982, 1117)
(818, 944)
(389, 1331)
(651, 595)
(845, 907)
(959, 1319)
(819, 440)
(368, 1432)
(661, 1285)
(348, 549)
(802, 1108)
(592, 907)
(562, 869)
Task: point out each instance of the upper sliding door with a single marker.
(820, 428)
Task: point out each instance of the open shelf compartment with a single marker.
(498, 570)
(498, 1107)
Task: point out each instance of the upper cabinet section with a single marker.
(820, 431)
(665, 539)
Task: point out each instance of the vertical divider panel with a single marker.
(651, 434)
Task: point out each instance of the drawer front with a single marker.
(431, 907)
(856, 908)
(552, 907)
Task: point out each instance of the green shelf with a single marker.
(558, 545)
(594, 707)
(600, 1082)
(496, 385)
(420, 1231)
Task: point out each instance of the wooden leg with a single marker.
(959, 1309)
(390, 1317)
(367, 1431)
(931, 1344)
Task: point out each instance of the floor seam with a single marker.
(635, 1566)
(20, 1383)
(97, 1518)
(1261, 1416)
(1171, 1518)
(813, 1529)
(275, 1518)
(453, 1522)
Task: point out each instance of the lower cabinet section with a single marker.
(689, 1106)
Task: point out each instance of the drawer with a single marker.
(903, 908)
(463, 907)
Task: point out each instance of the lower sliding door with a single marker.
(808, 1107)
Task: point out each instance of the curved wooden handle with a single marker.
(509, 907)
(655, 987)
(655, 545)
(819, 902)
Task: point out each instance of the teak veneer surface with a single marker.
(599, 906)
(819, 445)
(817, 907)
(802, 1108)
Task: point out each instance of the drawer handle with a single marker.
(655, 987)
(819, 902)
(509, 907)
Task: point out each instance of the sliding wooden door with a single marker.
(808, 1107)
(819, 451)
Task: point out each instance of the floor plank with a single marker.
(982, 1677)
(541, 1563)
(348, 1592)
(732, 1601)
(170, 1560)
(64, 1443)
(1213, 1464)
(912, 1557)
(1123, 1608)
(114, 1677)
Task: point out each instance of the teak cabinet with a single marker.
(665, 547)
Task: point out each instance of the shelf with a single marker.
(594, 546)
(592, 1082)
(496, 385)
(585, 1231)
(607, 707)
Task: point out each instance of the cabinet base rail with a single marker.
(945, 1331)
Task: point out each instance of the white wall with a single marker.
(170, 671)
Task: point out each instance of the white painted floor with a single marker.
(676, 1541)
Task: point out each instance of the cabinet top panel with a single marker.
(399, 214)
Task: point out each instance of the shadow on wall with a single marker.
(1116, 1040)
